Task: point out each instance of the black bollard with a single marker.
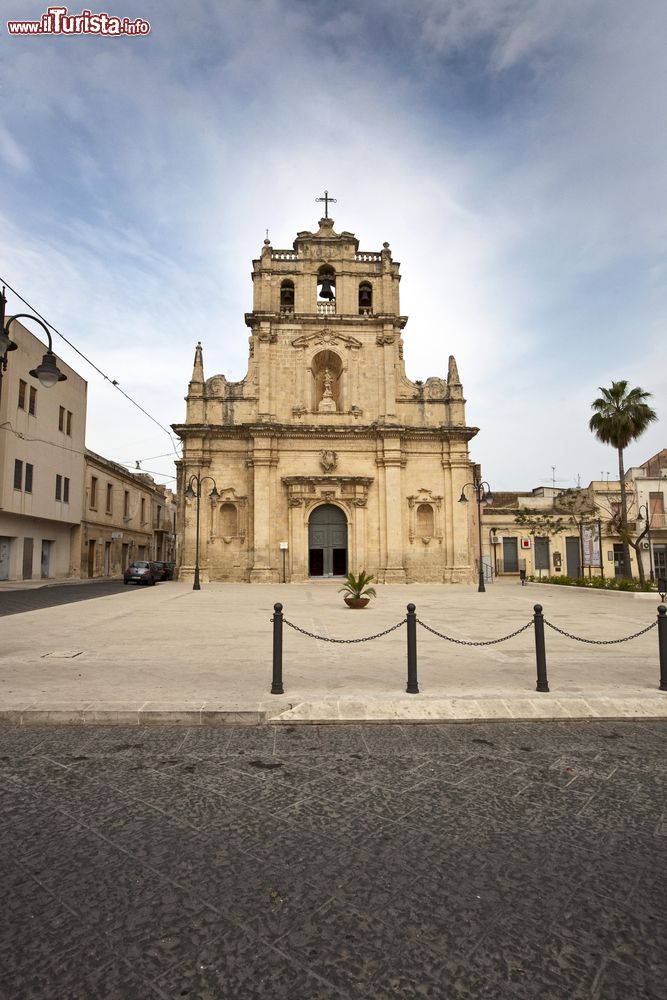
(540, 651)
(662, 645)
(277, 681)
(413, 687)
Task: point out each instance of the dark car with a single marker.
(165, 570)
(142, 571)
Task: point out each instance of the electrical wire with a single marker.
(112, 382)
(6, 426)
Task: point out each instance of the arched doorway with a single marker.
(327, 541)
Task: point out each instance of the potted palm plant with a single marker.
(356, 590)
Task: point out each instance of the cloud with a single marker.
(508, 151)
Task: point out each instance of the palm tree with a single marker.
(620, 417)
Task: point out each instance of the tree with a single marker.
(580, 509)
(614, 525)
(620, 416)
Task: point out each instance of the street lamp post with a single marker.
(482, 492)
(647, 517)
(196, 495)
(47, 372)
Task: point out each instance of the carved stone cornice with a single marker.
(310, 490)
(327, 338)
(373, 431)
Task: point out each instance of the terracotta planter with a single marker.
(356, 602)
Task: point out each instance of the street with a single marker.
(464, 861)
(13, 602)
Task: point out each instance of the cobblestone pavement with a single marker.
(516, 861)
(13, 602)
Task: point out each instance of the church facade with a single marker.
(326, 458)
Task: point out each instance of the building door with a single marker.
(572, 556)
(27, 558)
(510, 555)
(107, 558)
(125, 556)
(91, 557)
(5, 553)
(659, 562)
(618, 560)
(46, 559)
(541, 553)
(327, 542)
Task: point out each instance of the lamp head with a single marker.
(48, 372)
(214, 495)
(190, 493)
(463, 498)
(6, 344)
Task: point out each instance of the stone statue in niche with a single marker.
(327, 403)
(328, 460)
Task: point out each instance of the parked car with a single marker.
(165, 570)
(142, 571)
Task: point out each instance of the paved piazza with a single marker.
(462, 861)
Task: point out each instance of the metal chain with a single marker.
(601, 642)
(326, 638)
(465, 642)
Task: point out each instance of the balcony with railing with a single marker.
(658, 521)
(326, 308)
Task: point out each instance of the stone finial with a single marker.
(198, 367)
(453, 372)
(326, 227)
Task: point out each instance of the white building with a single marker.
(649, 481)
(42, 434)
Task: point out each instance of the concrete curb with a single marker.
(354, 711)
(641, 595)
(132, 717)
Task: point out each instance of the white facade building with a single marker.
(42, 434)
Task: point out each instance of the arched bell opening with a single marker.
(287, 295)
(326, 370)
(326, 284)
(327, 542)
(365, 297)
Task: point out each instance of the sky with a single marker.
(512, 152)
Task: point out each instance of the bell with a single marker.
(365, 297)
(287, 295)
(326, 291)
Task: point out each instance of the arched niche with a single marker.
(326, 382)
(425, 520)
(228, 519)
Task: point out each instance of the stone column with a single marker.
(460, 555)
(263, 342)
(394, 571)
(298, 543)
(263, 461)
